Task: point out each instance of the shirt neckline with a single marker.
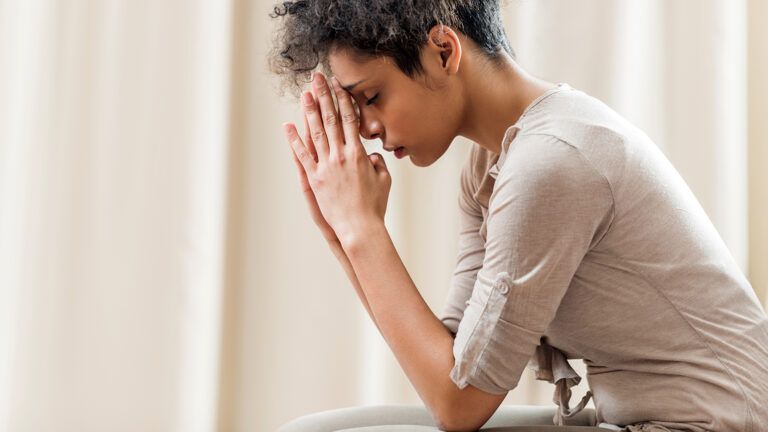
(558, 87)
(511, 131)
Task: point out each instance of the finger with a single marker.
(379, 164)
(301, 152)
(317, 131)
(299, 167)
(302, 175)
(308, 138)
(329, 114)
(349, 118)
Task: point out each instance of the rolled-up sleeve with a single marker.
(548, 208)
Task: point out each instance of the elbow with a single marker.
(467, 410)
(456, 420)
(450, 424)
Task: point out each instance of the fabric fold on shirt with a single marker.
(550, 364)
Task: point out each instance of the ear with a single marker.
(444, 42)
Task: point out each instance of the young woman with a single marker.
(579, 239)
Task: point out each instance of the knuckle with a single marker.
(336, 159)
(304, 156)
(349, 118)
(318, 136)
(329, 119)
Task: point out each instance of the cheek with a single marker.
(411, 111)
(417, 121)
(409, 130)
(398, 122)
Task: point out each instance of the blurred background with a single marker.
(158, 268)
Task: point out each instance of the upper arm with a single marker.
(471, 249)
(548, 208)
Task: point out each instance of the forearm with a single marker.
(421, 343)
(341, 256)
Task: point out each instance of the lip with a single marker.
(399, 151)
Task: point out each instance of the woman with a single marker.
(579, 239)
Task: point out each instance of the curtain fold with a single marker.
(158, 268)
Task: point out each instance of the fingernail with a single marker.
(307, 98)
(312, 76)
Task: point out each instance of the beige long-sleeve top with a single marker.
(580, 240)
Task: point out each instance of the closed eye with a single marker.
(372, 100)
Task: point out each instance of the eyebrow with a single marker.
(351, 86)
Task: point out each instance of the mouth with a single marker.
(400, 152)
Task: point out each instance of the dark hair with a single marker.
(375, 28)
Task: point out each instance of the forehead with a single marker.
(350, 68)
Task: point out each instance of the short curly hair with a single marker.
(375, 28)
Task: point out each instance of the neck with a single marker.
(495, 98)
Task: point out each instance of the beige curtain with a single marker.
(113, 155)
(158, 270)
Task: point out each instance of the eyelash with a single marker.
(372, 100)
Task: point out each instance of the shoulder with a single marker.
(548, 192)
(540, 158)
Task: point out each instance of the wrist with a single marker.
(355, 235)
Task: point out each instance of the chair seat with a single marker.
(394, 418)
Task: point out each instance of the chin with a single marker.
(420, 163)
(432, 156)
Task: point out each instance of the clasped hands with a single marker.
(346, 189)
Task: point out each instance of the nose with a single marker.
(370, 128)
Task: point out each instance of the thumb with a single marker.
(378, 161)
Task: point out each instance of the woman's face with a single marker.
(401, 111)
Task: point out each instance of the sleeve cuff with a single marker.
(491, 353)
